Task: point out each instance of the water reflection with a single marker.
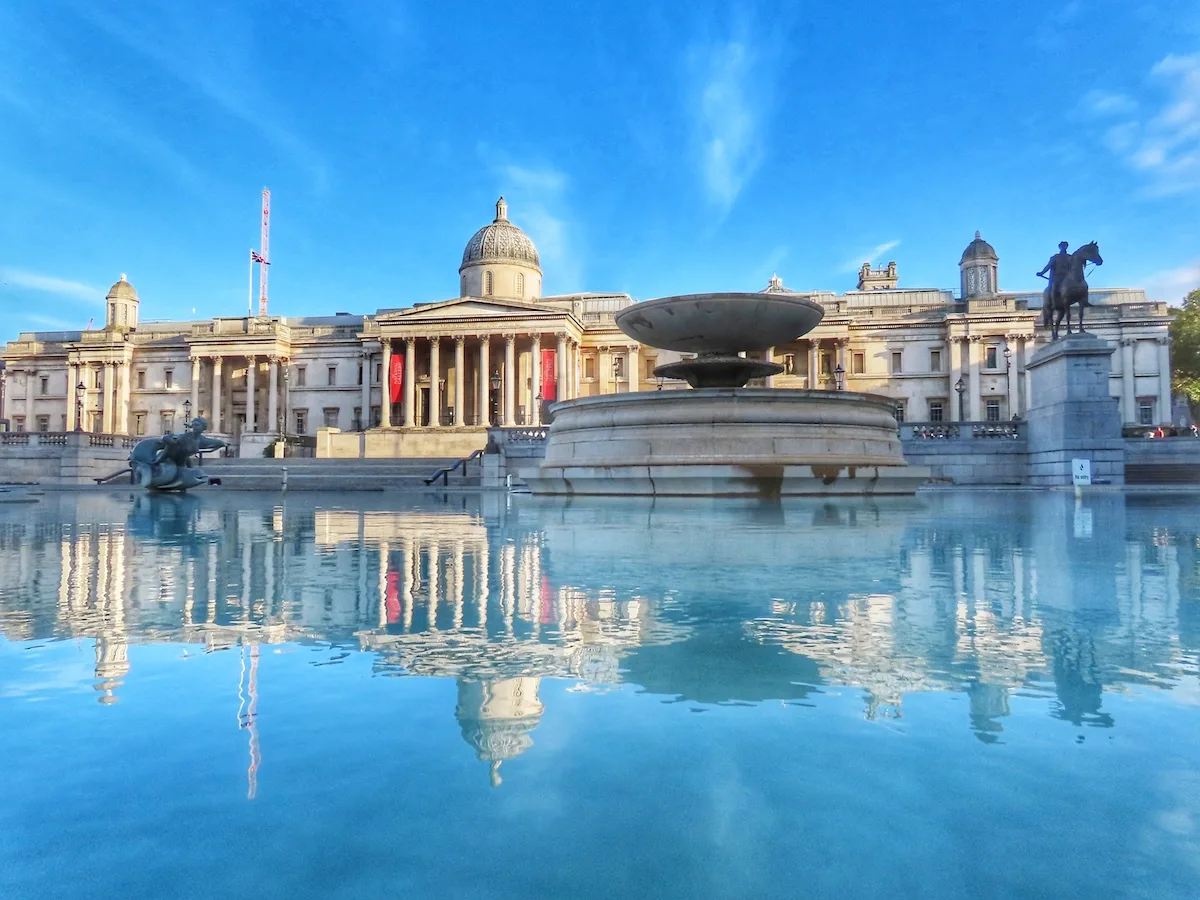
(992, 596)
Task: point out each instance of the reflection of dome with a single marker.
(497, 718)
(122, 290)
(979, 249)
(502, 241)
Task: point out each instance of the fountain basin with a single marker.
(725, 442)
(719, 323)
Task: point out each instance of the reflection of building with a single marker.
(497, 718)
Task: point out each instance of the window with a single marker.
(858, 363)
(935, 361)
(993, 411)
(378, 373)
(43, 424)
(332, 376)
(487, 284)
(1145, 411)
(301, 416)
(990, 357)
(376, 416)
(45, 386)
(169, 378)
(331, 416)
(360, 373)
(789, 364)
(897, 363)
(937, 411)
(649, 368)
(18, 423)
(826, 362)
(358, 423)
(166, 422)
(301, 378)
(520, 285)
(63, 421)
(618, 368)
(899, 413)
(589, 367)
(141, 380)
(139, 423)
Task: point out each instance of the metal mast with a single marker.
(265, 251)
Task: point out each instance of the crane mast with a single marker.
(265, 251)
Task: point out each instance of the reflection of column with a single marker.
(251, 393)
(457, 585)
(535, 378)
(1128, 390)
(481, 585)
(435, 381)
(1164, 380)
(215, 417)
(973, 379)
(409, 581)
(195, 388)
(484, 413)
(955, 377)
(385, 386)
(410, 377)
(1012, 363)
(384, 551)
(460, 395)
(435, 571)
(510, 380)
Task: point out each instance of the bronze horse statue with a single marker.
(1067, 287)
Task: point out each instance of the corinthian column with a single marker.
(560, 362)
(195, 389)
(510, 380)
(251, 392)
(1164, 380)
(273, 396)
(214, 424)
(364, 403)
(484, 413)
(385, 386)
(410, 377)
(1128, 394)
(460, 395)
(435, 381)
(109, 380)
(1014, 375)
(535, 379)
(973, 379)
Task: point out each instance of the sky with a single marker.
(648, 148)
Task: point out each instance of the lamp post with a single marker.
(660, 382)
(79, 390)
(960, 387)
(541, 412)
(1007, 358)
(495, 384)
(187, 413)
(839, 377)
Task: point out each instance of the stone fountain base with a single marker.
(725, 442)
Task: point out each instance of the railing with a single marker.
(979, 431)
(65, 438)
(14, 437)
(522, 434)
(445, 472)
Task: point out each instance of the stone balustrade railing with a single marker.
(66, 439)
(978, 431)
(522, 434)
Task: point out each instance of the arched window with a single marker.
(520, 285)
(487, 284)
(462, 288)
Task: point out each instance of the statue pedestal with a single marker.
(1072, 415)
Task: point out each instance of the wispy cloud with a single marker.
(537, 197)
(1163, 141)
(50, 284)
(868, 256)
(1172, 285)
(49, 322)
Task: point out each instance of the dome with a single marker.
(978, 249)
(502, 241)
(122, 290)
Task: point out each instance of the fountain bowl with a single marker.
(721, 323)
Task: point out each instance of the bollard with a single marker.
(283, 483)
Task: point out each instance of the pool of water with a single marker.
(963, 695)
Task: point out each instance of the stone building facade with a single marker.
(426, 380)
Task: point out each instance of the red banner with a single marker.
(396, 376)
(549, 375)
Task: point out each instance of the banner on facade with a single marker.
(549, 375)
(396, 377)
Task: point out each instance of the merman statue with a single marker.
(172, 462)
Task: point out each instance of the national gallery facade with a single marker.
(426, 380)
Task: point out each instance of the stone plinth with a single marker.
(726, 442)
(1071, 414)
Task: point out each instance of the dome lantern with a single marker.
(121, 303)
(500, 261)
(979, 269)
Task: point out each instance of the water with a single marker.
(969, 695)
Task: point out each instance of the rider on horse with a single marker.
(1058, 267)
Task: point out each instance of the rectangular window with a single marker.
(141, 379)
(301, 418)
(376, 416)
(899, 413)
(826, 361)
(169, 378)
(331, 416)
(360, 373)
(1145, 412)
(937, 411)
(166, 422)
(43, 423)
(618, 368)
(378, 372)
(897, 362)
(993, 410)
(935, 360)
(358, 423)
(332, 376)
(789, 364)
(45, 386)
(139, 424)
(18, 423)
(990, 357)
(858, 364)
(301, 378)
(589, 367)
(650, 364)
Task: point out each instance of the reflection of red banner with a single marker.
(396, 376)
(392, 598)
(547, 598)
(549, 375)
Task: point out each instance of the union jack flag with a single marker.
(258, 258)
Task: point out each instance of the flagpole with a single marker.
(250, 288)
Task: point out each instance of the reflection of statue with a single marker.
(172, 462)
(496, 718)
(1068, 285)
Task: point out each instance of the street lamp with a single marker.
(79, 389)
(495, 383)
(1007, 358)
(187, 413)
(839, 377)
(960, 387)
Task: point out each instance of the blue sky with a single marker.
(653, 148)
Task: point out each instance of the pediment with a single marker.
(466, 308)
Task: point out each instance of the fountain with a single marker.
(721, 438)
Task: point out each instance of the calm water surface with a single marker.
(990, 695)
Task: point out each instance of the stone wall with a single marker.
(391, 443)
(1162, 461)
(978, 453)
(72, 458)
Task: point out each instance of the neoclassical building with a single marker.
(427, 379)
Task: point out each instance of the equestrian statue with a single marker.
(1068, 285)
(172, 462)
